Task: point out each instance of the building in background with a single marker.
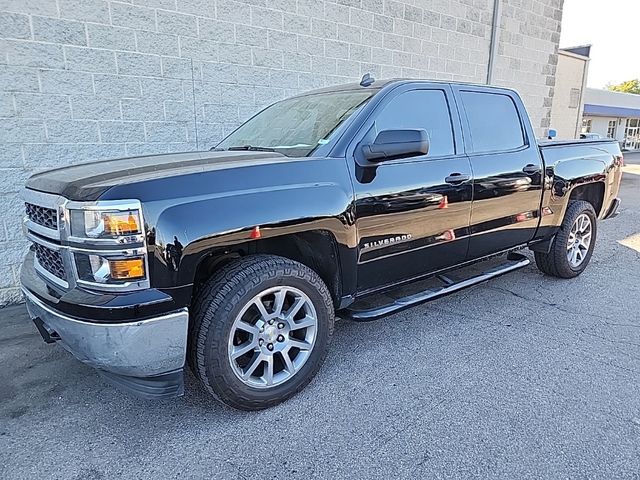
(571, 82)
(577, 110)
(613, 115)
(91, 79)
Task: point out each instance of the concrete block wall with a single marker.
(91, 79)
(528, 54)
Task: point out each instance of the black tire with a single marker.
(218, 303)
(556, 263)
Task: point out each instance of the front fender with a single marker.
(188, 231)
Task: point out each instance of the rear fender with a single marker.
(564, 175)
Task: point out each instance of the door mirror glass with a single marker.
(392, 144)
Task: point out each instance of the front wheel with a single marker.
(573, 246)
(260, 331)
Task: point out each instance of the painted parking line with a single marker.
(632, 242)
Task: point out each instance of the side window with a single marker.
(425, 109)
(493, 120)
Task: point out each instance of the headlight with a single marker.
(105, 224)
(109, 270)
(107, 240)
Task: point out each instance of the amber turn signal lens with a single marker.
(127, 269)
(124, 223)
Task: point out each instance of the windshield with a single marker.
(296, 126)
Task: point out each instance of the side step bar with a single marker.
(514, 262)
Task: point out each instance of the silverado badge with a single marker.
(383, 242)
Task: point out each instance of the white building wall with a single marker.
(598, 96)
(566, 117)
(600, 125)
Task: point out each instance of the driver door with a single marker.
(412, 214)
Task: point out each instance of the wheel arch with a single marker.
(317, 249)
(592, 193)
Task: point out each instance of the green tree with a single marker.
(630, 86)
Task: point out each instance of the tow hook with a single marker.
(48, 335)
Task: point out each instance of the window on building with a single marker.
(632, 134)
(586, 125)
(493, 121)
(611, 128)
(574, 98)
(423, 109)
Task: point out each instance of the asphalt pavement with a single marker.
(525, 376)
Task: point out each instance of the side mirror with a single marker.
(552, 133)
(390, 144)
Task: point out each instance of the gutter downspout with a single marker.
(493, 46)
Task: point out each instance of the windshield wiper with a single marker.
(251, 148)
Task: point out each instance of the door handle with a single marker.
(531, 169)
(457, 178)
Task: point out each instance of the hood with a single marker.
(89, 181)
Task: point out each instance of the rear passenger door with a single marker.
(507, 169)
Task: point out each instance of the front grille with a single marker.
(44, 216)
(50, 260)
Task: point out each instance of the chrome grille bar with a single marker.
(44, 216)
(43, 225)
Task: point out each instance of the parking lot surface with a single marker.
(525, 376)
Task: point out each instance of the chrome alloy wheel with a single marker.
(579, 240)
(272, 337)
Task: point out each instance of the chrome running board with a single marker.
(514, 262)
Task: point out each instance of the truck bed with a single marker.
(574, 141)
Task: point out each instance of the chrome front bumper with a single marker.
(145, 348)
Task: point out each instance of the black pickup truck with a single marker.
(236, 260)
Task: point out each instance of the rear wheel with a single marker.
(260, 331)
(573, 245)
